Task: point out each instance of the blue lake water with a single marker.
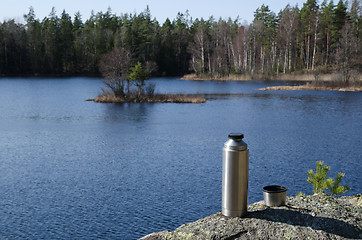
(72, 169)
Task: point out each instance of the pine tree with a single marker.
(138, 75)
(339, 19)
(320, 182)
(326, 23)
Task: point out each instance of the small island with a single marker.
(157, 98)
(125, 82)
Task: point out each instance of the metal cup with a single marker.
(274, 195)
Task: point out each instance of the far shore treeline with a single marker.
(324, 37)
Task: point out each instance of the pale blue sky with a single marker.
(160, 9)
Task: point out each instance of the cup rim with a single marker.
(274, 189)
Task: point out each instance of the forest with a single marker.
(323, 37)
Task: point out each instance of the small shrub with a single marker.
(320, 182)
(318, 179)
(300, 194)
(334, 187)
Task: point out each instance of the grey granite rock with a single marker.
(312, 217)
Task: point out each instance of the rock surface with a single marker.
(312, 217)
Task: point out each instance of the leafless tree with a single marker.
(114, 67)
(346, 56)
(199, 48)
(288, 24)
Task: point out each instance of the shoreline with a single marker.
(297, 77)
(326, 82)
(157, 98)
(314, 87)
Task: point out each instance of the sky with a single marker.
(161, 9)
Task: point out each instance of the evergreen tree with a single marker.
(265, 25)
(51, 39)
(66, 42)
(138, 75)
(339, 19)
(326, 23)
(35, 47)
(293, 40)
(12, 48)
(78, 44)
(309, 19)
(168, 60)
(183, 38)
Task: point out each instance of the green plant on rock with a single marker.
(334, 186)
(320, 182)
(318, 179)
(300, 194)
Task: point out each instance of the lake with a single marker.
(72, 169)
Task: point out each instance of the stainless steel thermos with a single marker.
(235, 176)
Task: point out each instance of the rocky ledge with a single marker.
(312, 217)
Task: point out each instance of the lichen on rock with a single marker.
(316, 216)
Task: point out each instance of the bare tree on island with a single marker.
(114, 67)
(120, 74)
(117, 69)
